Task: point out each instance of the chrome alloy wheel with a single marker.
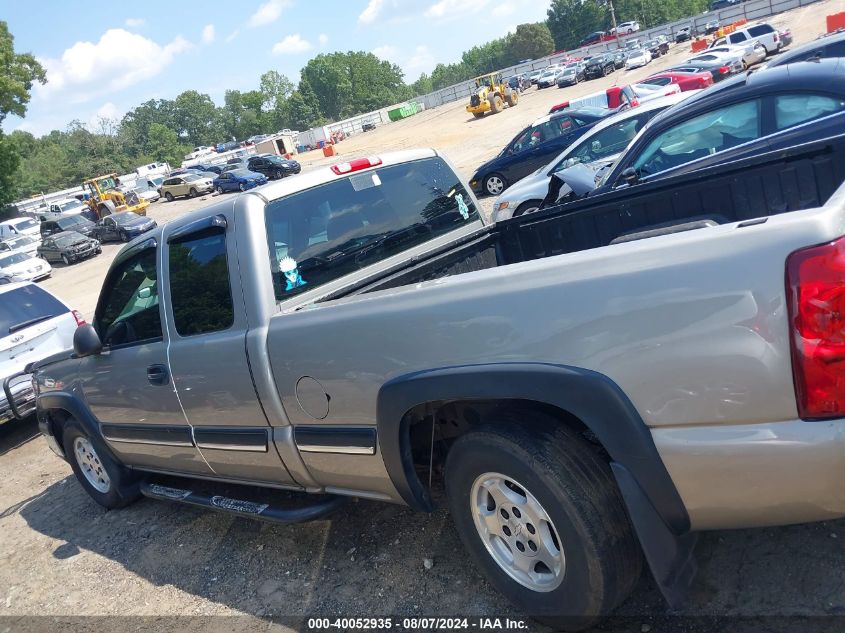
(90, 464)
(517, 532)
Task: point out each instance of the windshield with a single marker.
(10, 260)
(332, 230)
(193, 177)
(125, 218)
(22, 225)
(20, 242)
(70, 206)
(25, 305)
(106, 183)
(76, 220)
(67, 240)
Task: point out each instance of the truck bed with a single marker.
(803, 177)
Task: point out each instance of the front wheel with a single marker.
(277, 174)
(219, 190)
(168, 196)
(65, 260)
(192, 193)
(242, 187)
(494, 184)
(106, 482)
(541, 516)
(529, 206)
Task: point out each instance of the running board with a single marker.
(265, 507)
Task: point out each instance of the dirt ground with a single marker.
(62, 555)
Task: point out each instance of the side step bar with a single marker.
(264, 509)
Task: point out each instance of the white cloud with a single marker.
(291, 45)
(371, 12)
(135, 22)
(387, 53)
(422, 61)
(453, 9)
(323, 39)
(208, 34)
(268, 13)
(118, 60)
(107, 111)
(232, 35)
(503, 10)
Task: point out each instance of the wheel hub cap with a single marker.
(495, 185)
(517, 532)
(90, 464)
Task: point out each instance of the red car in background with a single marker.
(685, 81)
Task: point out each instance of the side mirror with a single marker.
(145, 293)
(86, 342)
(630, 176)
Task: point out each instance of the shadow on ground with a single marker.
(368, 560)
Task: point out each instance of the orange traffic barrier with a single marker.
(328, 150)
(835, 22)
(699, 45)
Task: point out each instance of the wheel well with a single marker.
(56, 419)
(429, 445)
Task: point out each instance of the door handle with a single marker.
(158, 375)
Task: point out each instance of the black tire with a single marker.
(489, 184)
(65, 260)
(192, 193)
(529, 206)
(124, 237)
(277, 174)
(168, 196)
(478, 115)
(123, 485)
(219, 190)
(242, 187)
(576, 488)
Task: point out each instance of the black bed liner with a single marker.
(801, 177)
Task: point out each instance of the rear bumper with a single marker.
(22, 395)
(739, 476)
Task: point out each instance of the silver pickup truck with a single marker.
(594, 384)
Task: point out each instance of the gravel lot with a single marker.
(62, 555)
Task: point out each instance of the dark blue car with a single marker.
(238, 180)
(533, 147)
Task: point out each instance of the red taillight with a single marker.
(80, 320)
(724, 69)
(815, 286)
(356, 165)
(635, 102)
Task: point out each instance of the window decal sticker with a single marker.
(290, 269)
(463, 209)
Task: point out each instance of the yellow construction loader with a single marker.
(491, 95)
(104, 197)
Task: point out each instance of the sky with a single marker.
(104, 58)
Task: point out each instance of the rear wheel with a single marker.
(513, 98)
(107, 482)
(541, 516)
(494, 184)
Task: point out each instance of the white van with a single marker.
(20, 226)
(764, 33)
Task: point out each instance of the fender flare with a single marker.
(68, 402)
(590, 396)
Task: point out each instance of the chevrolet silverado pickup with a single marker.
(595, 383)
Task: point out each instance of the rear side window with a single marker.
(791, 110)
(760, 29)
(738, 37)
(321, 234)
(657, 81)
(199, 284)
(25, 306)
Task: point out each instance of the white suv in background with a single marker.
(628, 27)
(764, 33)
(34, 325)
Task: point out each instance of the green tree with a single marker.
(275, 89)
(531, 41)
(569, 21)
(18, 72)
(165, 146)
(196, 118)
